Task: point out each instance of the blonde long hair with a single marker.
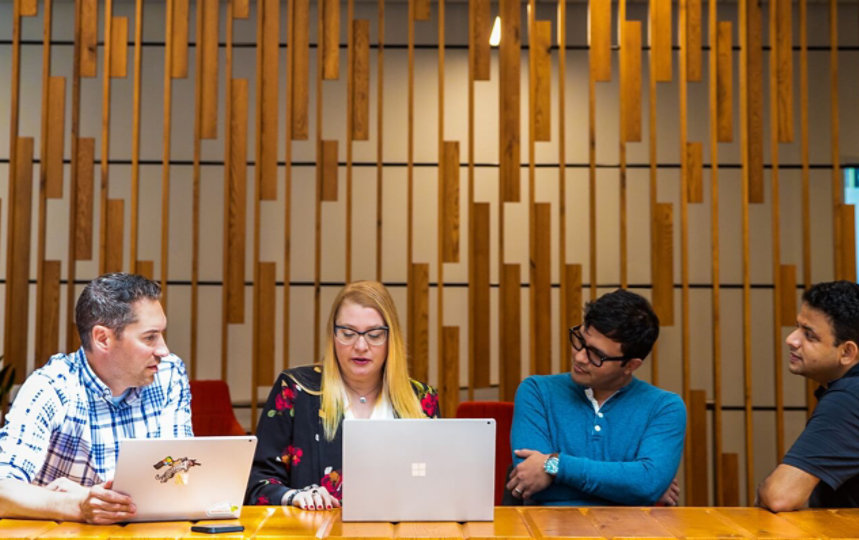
(396, 384)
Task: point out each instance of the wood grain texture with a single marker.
(542, 72)
(361, 80)
(599, 30)
(663, 279)
(697, 486)
(119, 47)
(788, 294)
(48, 312)
(115, 236)
(509, 92)
(89, 38)
(847, 219)
(330, 39)
(28, 8)
(510, 365)
(84, 164)
(573, 315)
(53, 160)
(755, 108)
(299, 79)
(694, 172)
(725, 82)
(328, 176)
(479, 27)
(660, 39)
(269, 113)
(179, 56)
(236, 206)
(693, 40)
(264, 322)
(146, 269)
(478, 313)
(422, 10)
(630, 80)
(419, 321)
(209, 74)
(784, 70)
(241, 9)
(541, 290)
(449, 372)
(449, 196)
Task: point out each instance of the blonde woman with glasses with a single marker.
(298, 460)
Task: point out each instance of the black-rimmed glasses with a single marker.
(349, 336)
(595, 356)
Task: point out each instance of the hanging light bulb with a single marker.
(495, 35)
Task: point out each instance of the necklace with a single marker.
(363, 399)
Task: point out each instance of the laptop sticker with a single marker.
(177, 469)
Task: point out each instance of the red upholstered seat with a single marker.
(502, 412)
(212, 410)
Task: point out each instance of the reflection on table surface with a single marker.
(510, 523)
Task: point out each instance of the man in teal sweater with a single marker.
(598, 435)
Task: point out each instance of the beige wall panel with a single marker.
(449, 197)
(236, 207)
(695, 172)
(361, 80)
(509, 91)
(541, 288)
(479, 282)
(724, 82)
(208, 41)
(84, 199)
(599, 30)
(630, 80)
(419, 321)
(179, 58)
(264, 322)
(542, 44)
(48, 312)
(784, 70)
(660, 39)
(299, 78)
(115, 235)
(693, 40)
(755, 108)
(89, 38)
(510, 298)
(119, 47)
(330, 39)
(479, 24)
(53, 161)
(449, 373)
(328, 170)
(269, 115)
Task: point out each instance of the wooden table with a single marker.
(510, 523)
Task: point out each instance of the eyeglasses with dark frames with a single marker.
(595, 356)
(349, 336)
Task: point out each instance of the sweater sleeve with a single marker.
(644, 479)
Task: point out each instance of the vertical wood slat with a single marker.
(179, 60)
(508, 88)
(85, 165)
(693, 40)
(542, 72)
(146, 269)
(208, 41)
(755, 108)
(419, 321)
(449, 371)
(847, 221)
(660, 39)
(599, 30)
(115, 237)
(299, 79)
(697, 485)
(28, 8)
(330, 39)
(788, 294)
(834, 140)
(541, 290)
(573, 316)
(361, 80)
(724, 82)
(328, 170)
(784, 72)
(663, 278)
(449, 185)
(89, 38)
(268, 99)
(53, 161)
(241, 9)
(479, 26)
(48, 313)
(422, 10)
(119, 47)
(264, 323)
(478, 316)
(18, 257)
(237, 203)
(630, 80)
(510, 368)
(694, 172)
(730, 481)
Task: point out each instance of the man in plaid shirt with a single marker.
(59, 446)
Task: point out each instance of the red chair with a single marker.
(502, 412)
(212, 410)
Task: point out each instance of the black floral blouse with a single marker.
(292, 451)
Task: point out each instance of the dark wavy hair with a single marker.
(107, 300)
(839, 301)
(627, 318)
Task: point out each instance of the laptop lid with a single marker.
(419, 470)
(185, 479)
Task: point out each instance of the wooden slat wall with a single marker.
(449, 201)
(267, 99)
(508, 101)
(479, 316)
(236, 203)
(88, 38)
(55, 138)
(180, 39)
(725, 82)
(361, 80)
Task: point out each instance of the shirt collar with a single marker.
(822, 389)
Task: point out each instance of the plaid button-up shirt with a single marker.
(64, 422)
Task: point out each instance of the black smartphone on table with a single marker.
(215, 529)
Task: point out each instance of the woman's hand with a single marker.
(315, 498)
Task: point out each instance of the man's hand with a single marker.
(529, 477)
(671, 495)
(102, 506)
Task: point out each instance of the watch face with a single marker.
(551, 466)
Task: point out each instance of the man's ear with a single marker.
(102, 337)
(849, 353)
(632, 365)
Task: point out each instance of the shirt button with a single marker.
(597, 428)
(599, 414)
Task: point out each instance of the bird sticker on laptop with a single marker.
(177, 469)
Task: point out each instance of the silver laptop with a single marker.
(185, 479)
(419, 470)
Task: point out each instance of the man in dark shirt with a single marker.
(822, 467)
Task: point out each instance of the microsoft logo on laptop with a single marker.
(419, 469)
